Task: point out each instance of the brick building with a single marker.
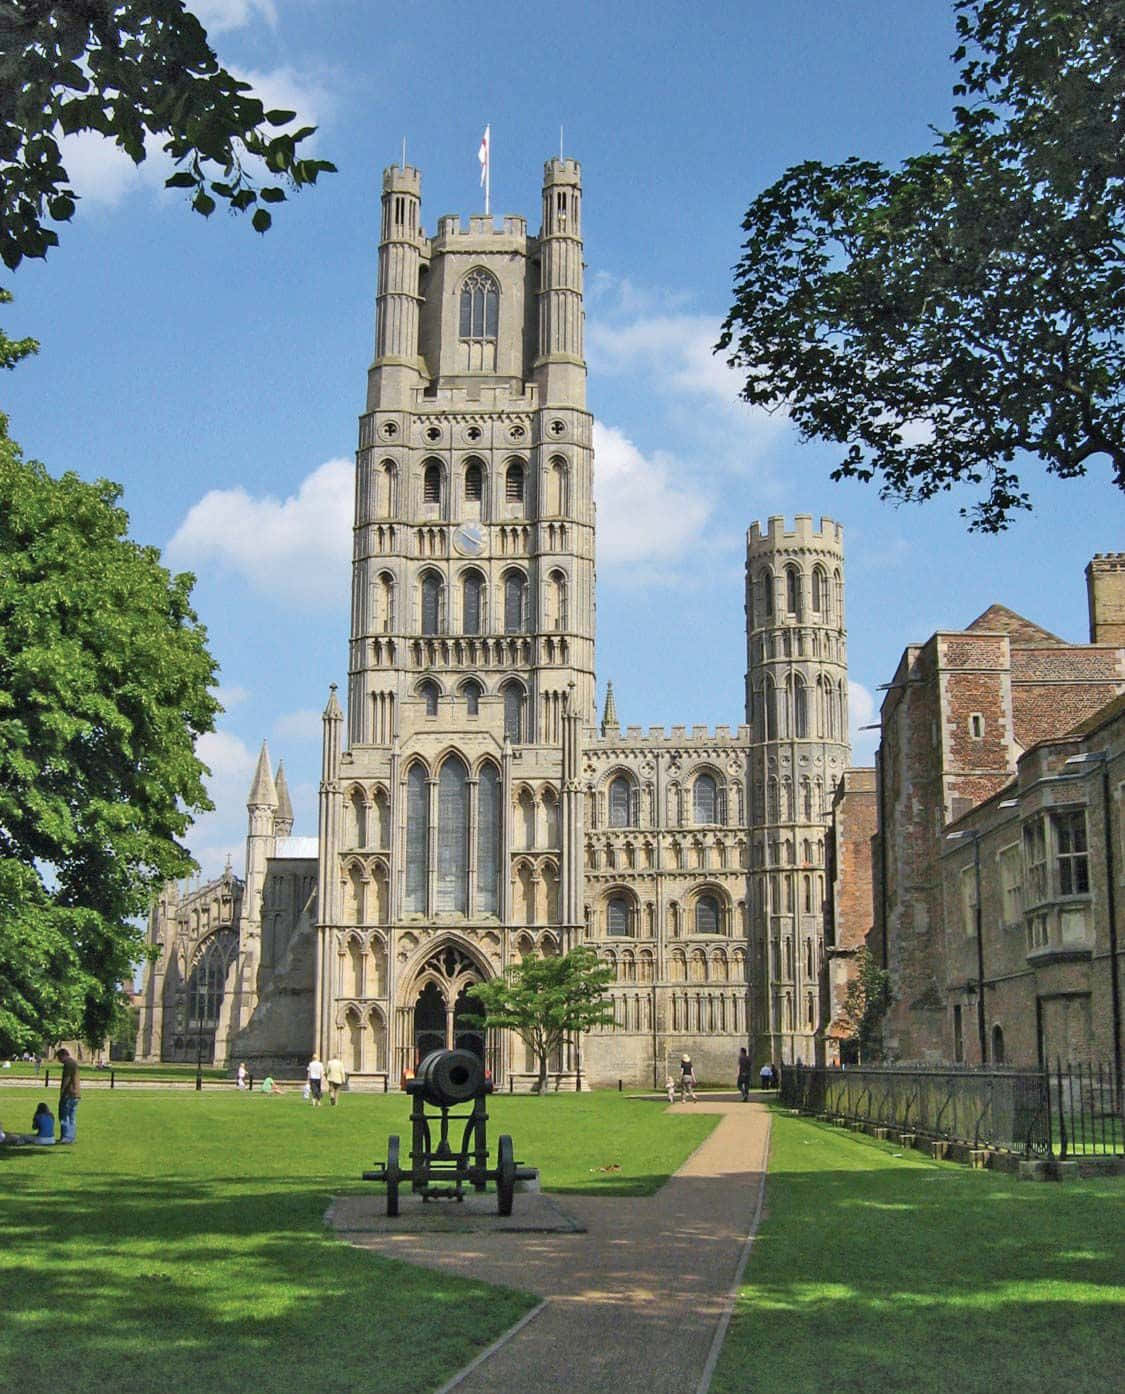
(961, 711)
(851, 873)
(1033, 890)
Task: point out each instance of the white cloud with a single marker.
(103, 175)
(619, 296)
(302, 725)
(221, 16)
(230, 697)
(691, 392)
(644, 514)
(674, 350)
(288, 90)
(294, 549)
(215, 836)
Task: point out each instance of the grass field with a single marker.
(180, 1244)
(873, 1271)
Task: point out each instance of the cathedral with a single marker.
(473, 808)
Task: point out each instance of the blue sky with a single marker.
(217, 375)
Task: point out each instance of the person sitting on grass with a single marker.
(44, 1125)
(269, 1087)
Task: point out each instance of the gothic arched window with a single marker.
(707, 915)
(617, 916)
(515, 602)
(474, 482)
(488, 840)
(452, 838)
(770, 709)
(430, 692)
(765, 584)
(705, 800)
(619, 800)
(819, 589)
(417, 836)
(480, 305)
(513, 483)
(431, 483)
(800, 708)
(431, 603)
(556, 601)
(793, 591)
(556, 485)
(472, 591)
(514, 698)
(209, 977)
(471, 691)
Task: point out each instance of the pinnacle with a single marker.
(263, 791)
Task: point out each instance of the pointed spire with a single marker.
(283, 819)
(263, 791)
(333, 711)
(610, 725)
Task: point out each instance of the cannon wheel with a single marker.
(394, 1175)
(505, 1175)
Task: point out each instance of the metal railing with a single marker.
(1066, 1111)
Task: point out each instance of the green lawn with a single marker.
(180, 1244)
(873, 1271)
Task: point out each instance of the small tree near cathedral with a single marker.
(545, 1000)
(865, 1006)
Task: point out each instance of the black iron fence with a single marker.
(1070, 1110)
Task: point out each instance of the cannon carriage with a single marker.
(448, 1080)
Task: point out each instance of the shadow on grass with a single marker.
(220, 1286)
(907, 1274)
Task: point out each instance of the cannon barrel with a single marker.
(446, 1078)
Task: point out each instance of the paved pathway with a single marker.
(639, 1300)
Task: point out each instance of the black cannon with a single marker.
(448, 1079)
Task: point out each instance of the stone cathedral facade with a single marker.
(473, 808)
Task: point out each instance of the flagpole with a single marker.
(488, 175)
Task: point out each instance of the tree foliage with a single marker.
(129, 70)
(939, 319)
(866, 1004)
(104, 688)
(545, 1000)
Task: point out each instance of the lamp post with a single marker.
(1101, 757)
(982, 1031)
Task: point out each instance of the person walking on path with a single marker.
(687, 1079)
(70, 1091)
(766, 1073)
(242, 1083)
(335, 1075)
(744, 1074)
(315, 1074)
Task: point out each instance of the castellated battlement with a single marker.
(830, 534)
(402, 179)
(675, 737)
(562, 172)
(511, 235)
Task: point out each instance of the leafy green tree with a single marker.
(545, 1000)
(130, 69)
(939, 319)
(866, 1004)
(105, 685)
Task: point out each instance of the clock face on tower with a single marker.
(468, 539)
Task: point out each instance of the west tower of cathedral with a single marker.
(472, 809)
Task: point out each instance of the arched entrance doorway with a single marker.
(440, 1005)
